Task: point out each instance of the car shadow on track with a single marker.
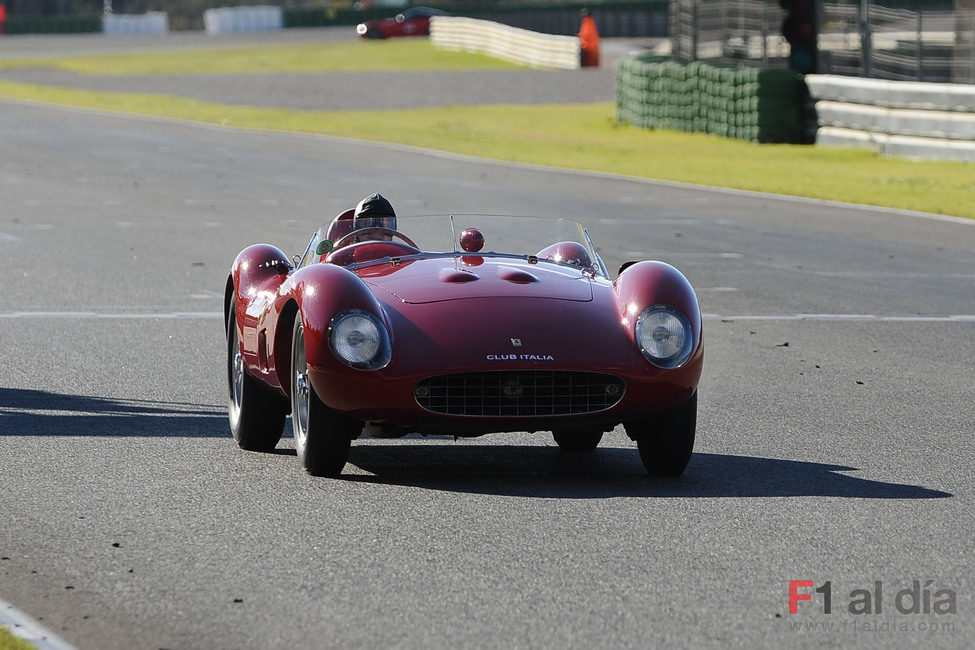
(25, 412)
(537, 471)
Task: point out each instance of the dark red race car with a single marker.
(459, 325)
(415, 21)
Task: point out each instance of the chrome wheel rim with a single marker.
(236, 370)
(301, 398)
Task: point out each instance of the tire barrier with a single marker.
(895, 118)
(153, 22)
(745, 103)
(228, 20)
(504, 42)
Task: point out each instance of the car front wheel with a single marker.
(666, 439)
(322, 436)
(256, 414)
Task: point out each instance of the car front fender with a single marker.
(645, 284)
(322, 291)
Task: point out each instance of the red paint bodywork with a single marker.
(459, 313)
(412, 22)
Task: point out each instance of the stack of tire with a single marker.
(746, 103)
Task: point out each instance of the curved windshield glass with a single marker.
(559, 241)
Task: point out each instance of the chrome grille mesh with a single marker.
(519, 393)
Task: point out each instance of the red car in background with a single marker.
(412, 22)
(466, 325)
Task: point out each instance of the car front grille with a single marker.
(519, 393)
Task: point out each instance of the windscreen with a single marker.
(561, 241)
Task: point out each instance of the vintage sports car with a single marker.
(461, 325)
(412, 22)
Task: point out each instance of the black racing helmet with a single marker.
(374, 211)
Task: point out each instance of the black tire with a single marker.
(666, 440)
(256, 414)
(322, 436)
(577, 441)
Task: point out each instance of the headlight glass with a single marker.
(664, 336)
(359, 339)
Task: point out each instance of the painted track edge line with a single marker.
(843, 318)
(466, 157)
(92, 315)
(24, 627)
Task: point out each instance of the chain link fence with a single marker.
(855, 38)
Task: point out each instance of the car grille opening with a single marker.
(519, 393)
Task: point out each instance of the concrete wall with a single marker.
(153, 22)
(242, 19)
(896, 118)
(504, 42)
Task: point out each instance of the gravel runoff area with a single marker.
(319, 91)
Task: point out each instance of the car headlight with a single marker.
(359, 339)
(664, 336)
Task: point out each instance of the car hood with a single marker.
(437, 280)
(499, 332)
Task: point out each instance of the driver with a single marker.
(374, 211)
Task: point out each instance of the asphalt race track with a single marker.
(835, 431)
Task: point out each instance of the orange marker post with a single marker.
(589, 40)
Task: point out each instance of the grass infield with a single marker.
(10, 642)
(354, 56)
(579, 136)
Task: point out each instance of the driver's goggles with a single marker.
(375, 222)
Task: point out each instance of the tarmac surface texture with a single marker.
(834, 442)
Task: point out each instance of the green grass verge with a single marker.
(10, 642)
(583, 136)
(357, 56)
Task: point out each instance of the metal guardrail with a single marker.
(855, 38)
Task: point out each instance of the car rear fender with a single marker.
(251, 271)
(254, 277)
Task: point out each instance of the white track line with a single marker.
(90, 315)
(23, 626)
(844, 318)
